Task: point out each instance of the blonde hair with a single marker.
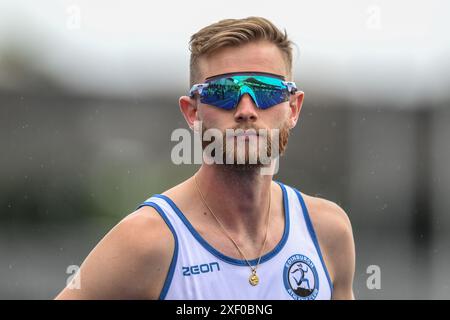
(236, 32)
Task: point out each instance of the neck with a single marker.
(238, 196)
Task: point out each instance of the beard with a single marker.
(250, 152)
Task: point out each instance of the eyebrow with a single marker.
(245, 73)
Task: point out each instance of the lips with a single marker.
(246, 134)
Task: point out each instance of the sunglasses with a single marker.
(224, 91)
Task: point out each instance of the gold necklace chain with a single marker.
(253, 279)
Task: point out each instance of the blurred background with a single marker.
(89, 97)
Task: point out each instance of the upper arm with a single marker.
(130, 262)
(335, 236)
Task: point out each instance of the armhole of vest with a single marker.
(169, 277)
(313, 235)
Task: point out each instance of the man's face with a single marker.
(256, 57)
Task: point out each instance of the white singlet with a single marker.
(294, 269)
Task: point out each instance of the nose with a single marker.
(246, 110)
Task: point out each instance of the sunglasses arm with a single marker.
(197, 88)
(291, 86)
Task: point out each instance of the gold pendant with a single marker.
(254, 280)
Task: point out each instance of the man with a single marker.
(230, 232)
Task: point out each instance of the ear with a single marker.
(188, 107)
(295, 106)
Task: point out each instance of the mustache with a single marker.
(249, 128)
(239, 130)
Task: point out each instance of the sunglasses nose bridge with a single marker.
(246, 110)
(247, 90)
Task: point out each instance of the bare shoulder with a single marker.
(130, 262)
(144, 234)
(335, 236)
(327, 216)
(142, 228)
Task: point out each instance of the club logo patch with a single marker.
(300, 278)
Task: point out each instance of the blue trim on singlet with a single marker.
(173, 263)
(313, 236)
(220, 255)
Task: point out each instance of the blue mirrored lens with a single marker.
(270, 92)
(222, 93)
(226, 92)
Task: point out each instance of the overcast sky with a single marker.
(359, 48)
